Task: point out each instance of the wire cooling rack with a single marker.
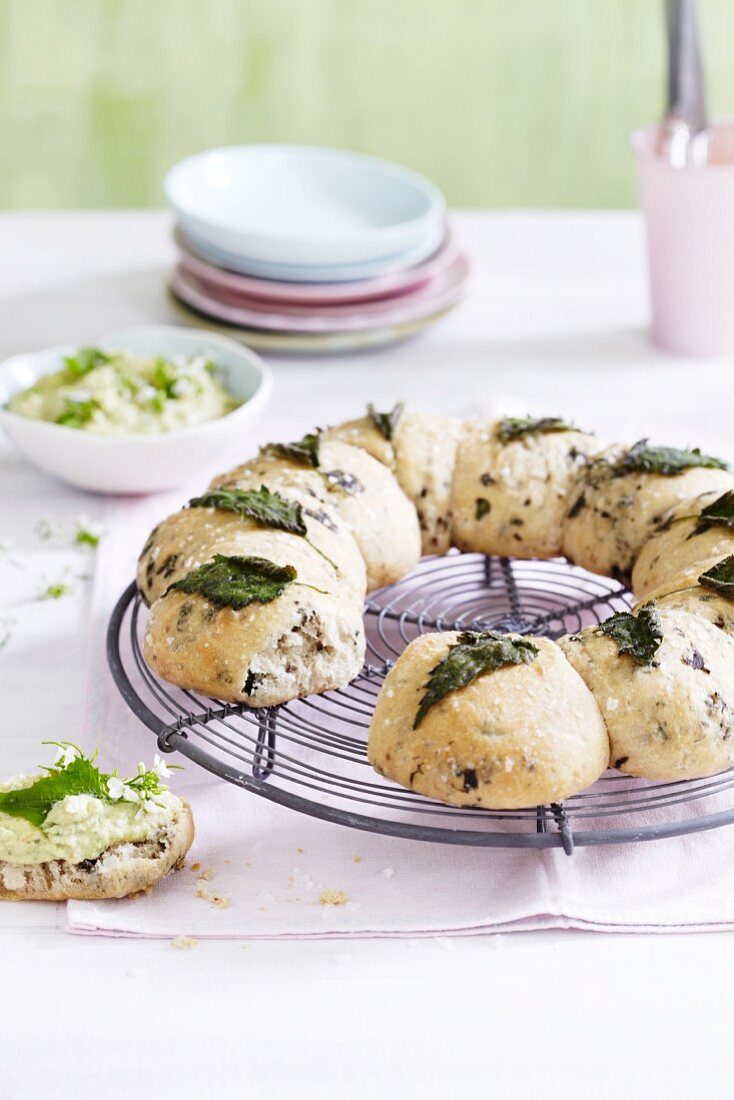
(311, 754)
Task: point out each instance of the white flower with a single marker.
(160, 767)
(65, 755)
(148, 806)
(118, 789)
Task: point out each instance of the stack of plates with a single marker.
(305, 250)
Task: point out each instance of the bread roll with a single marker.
(672, 718)
(511, 498)
(121, 870)
(522, 735)
(376, 510)
(613, 513)
(425, 454)
(363, 433)
(194, 535)
(301, 642)
(684, 593)
(362, 491)
(676, 551)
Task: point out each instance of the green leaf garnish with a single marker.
(265, 508)
(638, 635)
(56, 590)
(386, 423)
(164, 378)
(237, 581)
(75, 774)
(77, 413)
(483, 508)
(34, 802)
(664, 460)
(720, 513)
(86, 359)
(85, 537)
(720, 578)
(514, 427)
(304, 451)
(469, 657)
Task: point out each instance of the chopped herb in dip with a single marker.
(119, 393)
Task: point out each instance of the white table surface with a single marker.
(555, 321)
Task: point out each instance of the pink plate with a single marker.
(440, 293)
(382, 286)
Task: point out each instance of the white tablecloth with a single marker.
(555, 318)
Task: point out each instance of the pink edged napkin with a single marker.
(260, 870)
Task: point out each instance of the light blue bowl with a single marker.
(304, 206)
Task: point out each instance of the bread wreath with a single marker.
(530, 488)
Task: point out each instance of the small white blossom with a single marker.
(149, 806)
(118, 789)
(65, 755)
(160, 767)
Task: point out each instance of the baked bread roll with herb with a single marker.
(373, 433)
(78, 833)
(692, 536)
(366, 496)
(487, 720)
(285, 525)
(425, 456)
(664, 682)
(511, 485)
(709, 593)
(246, 630)
(621, 495)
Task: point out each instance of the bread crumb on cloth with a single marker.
(332, 897)
(184, 943)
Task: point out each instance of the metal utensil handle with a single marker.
(686, 94)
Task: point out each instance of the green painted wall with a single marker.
(502, 102)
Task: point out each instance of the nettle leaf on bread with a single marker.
(720, 513)
(266, 508)
(720, 578)
(386, 423)
(643, 459)
(304, 451)
(637, 635)
(515, 427)
(237, 582)
(76, 774)
(471, 656)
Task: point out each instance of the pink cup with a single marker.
(689, 218)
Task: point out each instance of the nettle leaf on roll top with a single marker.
(669, 461)
(514, 427)
(471, 656)
(266, 508)
(720, 513)
(720, 578)
(386, 423)
(637, 635)
(236, 581)
(304, 451)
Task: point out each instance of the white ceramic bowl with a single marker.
(137, 463)
(291, 204)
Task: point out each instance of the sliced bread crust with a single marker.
(119, 871)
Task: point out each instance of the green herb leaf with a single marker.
(664, 460)
(386, 423)
(86, 359)
(305, 451)
(265, 508)
(720, 513)
(513, 427)
(236, 581)
(164, 378)
(34, 802)
(720, 578)
(483, 508)
(471, 656)
(639, 635)
(77, 413)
